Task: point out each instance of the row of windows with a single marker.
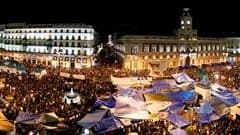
(175, 56)
(60, 44)
(83, 60)
(79, 52)
(49, 38)
(164, 48)
(49, 31)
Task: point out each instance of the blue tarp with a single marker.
(204, 108)
(91, 119)
(164, 84)
(106, 125)
(177, 120)
(109, 102)
(16, 65)
(181, 96)
(176, 106)
(208, 118)
(27, 118)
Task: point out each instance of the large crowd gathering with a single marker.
(28, 94)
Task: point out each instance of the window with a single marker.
(55, 38)
(73, 31)
(55, 43)
(66, 51)
(67, 44)
(85, 31)
(50, 31)
(73, 38)
(66, 37)
(73, 44)
(79, 31)
(72, 52)
(79, 37)
(39, 31)
(79, 44)
(135, 50)
(67, 31)
(85, 37)
(61, 44)
(84, 52)
(146, 49)
(61, 37)
(154, 49)
(55, 31)
(45, 31)
(79, 52)
(61, 31)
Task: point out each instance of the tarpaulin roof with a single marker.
(178, 131)
(207, 118)
(109, 102)
(177, 120)
(182, 77)
(204, 108)
(27, 118)
(175, 107)
(91, 119)
(181, 96)
(164, 84)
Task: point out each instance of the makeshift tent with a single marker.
(219, 106)
(48, 118)
(205, 108)
(175, 107)
(5, 125)
(39, 72)
(182, 78)
(181, 96)
(223, 94)
(27, 118)
(100, 120)
(164, 84)
(178, 131)
(177, 120)
(189, 115)
(109, 102)
(208, 118)
(131, 112)
(14, 65)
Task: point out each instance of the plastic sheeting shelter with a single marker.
(177, 120)
(101, 120)
(13, 66)
(208, 118)
(182, 78)
(27, 118)
(181, 96)
(109, 102)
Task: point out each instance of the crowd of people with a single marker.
(29, 94)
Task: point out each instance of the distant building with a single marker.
(186, 48)
(67, 45)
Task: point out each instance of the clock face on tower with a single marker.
(188, 22)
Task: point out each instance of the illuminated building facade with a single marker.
(67, 45)
(186, 48)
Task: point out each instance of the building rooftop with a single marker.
(67, 25)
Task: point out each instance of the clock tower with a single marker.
(185, 32)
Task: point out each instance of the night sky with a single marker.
(126, 18)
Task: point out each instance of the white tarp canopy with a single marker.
(128, 81)
(182, 78)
